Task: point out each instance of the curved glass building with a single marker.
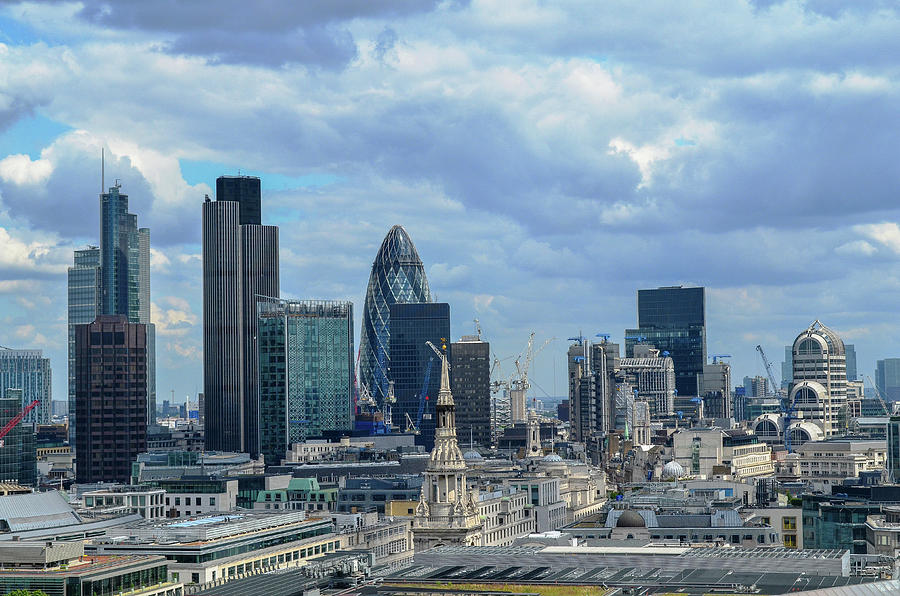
(398, 276)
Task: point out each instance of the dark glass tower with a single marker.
(411, 326)
(470, 370)
(18, 455)
(397, 277)
(673, 319)
(110, 398)
(240, 263)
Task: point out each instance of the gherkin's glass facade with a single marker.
(398, 277)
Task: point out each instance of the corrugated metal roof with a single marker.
(34, 511)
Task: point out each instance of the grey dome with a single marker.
(672, 469)
(472, 455)
(630, 519)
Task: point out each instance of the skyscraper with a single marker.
(240, 262)
(411, 326)
(110, 397)
(892, 461)
(28, 371)
(125, 275)
(84, 306)
(850, 350)
(592, 371)
(887, 378)
(305, 372)
(398, 276)
(471, 373)
(819, 390)
(673, 319)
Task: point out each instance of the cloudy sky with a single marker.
(547, 158)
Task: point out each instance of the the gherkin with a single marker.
(398, 276)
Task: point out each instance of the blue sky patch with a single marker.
(196, 172)
(30, 135)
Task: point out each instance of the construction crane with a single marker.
(477, 328)
(423, 395)
(776, 386)
(17, 419)
(887, 412)
(637, 338)
(717, 357)
(604, 336)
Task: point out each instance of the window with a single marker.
(790, 541)
(789, 523)
(197, 501)
(195, 578)
(177, 500)
(212, 501)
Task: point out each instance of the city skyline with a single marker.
(513, 155)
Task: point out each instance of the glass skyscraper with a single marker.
(397, 277)
(18, 461)
(84, 306)
(411, 326)
(673, 319)
(29, 372)
(305, 372)
(887, 378)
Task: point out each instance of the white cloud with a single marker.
(856, 247)
(886, 233)
(23, 171)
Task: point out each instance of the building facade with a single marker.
(819, 390)
(712, 452)
(398, 276)
(470, 369)
(592, 369)
(83, 307)
(413, 324)
(887, 379)
(111, 398)
(652, 378)
(305, 372)
(715, 388)
(240, 262)
(29, 371)
(18, 455)
(673, 319)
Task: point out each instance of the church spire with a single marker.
(445, 396)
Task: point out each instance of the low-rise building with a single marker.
(788, 521)
(388, 540)
(369, 493)
(61, 568)
(714, 452)
(216, 548)
(147, 501)
(304, 494)
(199, 495)
(826, 463)
(883, 532)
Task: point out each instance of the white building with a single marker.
(148, 502)
(819, 389)
(714, 452)
(825, 463)
(653, 376)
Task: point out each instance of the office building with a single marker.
(850, 351)
(823, 464)
(892, 463)
(819, 389)
(18, 454)
(220, 548)
(787, 368)
(887, 379)
(398, 276)
(84, 306)
(29, 371)
(240, 262)
(470, 369)
(111, 398)
(412, 360)
(673, 320)
(715, 389)
(61, 568)
(125, 275)
(710, 452)
(592, 371)
(652, 378)
(305, 372)
(757, 387)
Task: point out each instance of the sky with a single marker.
(548, 159)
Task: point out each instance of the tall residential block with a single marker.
(470, 371)
(673, 319)
(819, 390)
(887, 379)
(412, 360)
(110, 398)
(398, 276)
(84, 306)
(18, 454)
(305, 372)
(28, 371)
(240, 263)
